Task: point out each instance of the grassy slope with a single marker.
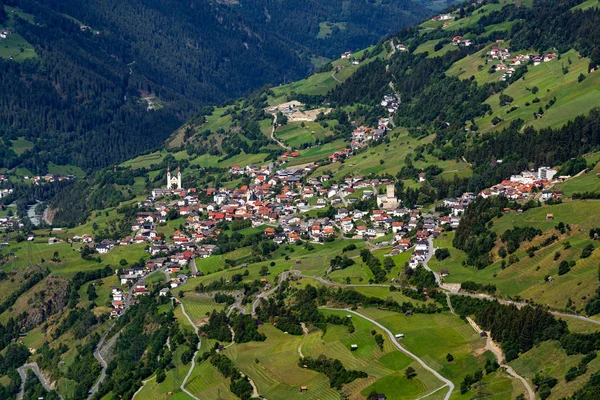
(526, 277)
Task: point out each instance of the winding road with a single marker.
(280, 143)
(405, 351)
(102, 362)
(36, 370)
(497, 351)
(182, 386)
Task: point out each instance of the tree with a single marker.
(410, 373)
(449, 357)
(91, 292)
(264, 271)
(160, 375)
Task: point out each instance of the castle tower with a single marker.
(390, 191)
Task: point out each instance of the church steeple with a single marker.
(178, 177)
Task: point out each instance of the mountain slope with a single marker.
(100, 76)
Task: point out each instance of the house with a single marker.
(163, 292)
(102, 248)
(547, 195)
(444, 272)
(128, 278)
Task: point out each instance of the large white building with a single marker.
(546, 173)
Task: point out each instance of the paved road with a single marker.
(193, 267)
(281, 144)
(36, 370)
(237, 305)
(333, 76)
(402, 349)
(182, 386)
(265, 295)
(102, 362)
(430, 251)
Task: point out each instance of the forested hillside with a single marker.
(103, 81)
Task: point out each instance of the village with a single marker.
(279, 202)
(509, 63)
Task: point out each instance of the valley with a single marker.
(414, 220)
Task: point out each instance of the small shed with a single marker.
(303, 389)
(549, 217)
(353, 347)
(483, 334)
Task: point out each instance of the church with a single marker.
(174, 182)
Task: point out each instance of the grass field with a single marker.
(549, 358)
(15, 47)
(587, 182)
(432, 337)
(475, 65)
(65, 170)
(393, 155)
(587, 4)
(172, 382)
(295, 134)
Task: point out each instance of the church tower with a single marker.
(173, 181)
(178, 177)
